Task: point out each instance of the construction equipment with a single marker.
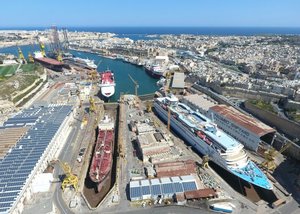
(136, 85)
(270, 154)
(149, 107)
(42, 48)
(21, 56)
(92, 105)
(70, 179)
(30, 58)
(66, 40)
(205, 160)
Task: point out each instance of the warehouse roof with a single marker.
(249, 123)
(161, 186)
(19, 164)
(178, 80)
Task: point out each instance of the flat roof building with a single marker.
(165, 187)
(247, 130)
(200, 102)
(178, 80)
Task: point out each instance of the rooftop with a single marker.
(19, 165)
(178, 80)
(249, 123)
(202, 101)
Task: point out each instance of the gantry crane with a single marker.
(70, 179)
(270, 154)
(136, 85)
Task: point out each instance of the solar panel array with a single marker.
(164, 187)
(19, 163)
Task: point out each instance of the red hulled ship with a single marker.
(101, 165)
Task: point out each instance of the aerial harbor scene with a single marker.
(150, 107)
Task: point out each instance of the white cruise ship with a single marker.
(206, 138)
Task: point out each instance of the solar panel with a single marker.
(156, 190)
(8, 194)
(188, 186)
(135, 192)
(7, 205)
(16, 166)
(167, 188)
(178, 187)
(146, 190)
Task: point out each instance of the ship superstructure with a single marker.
(154, 70)
(206, 138)
(101, 164)
(107, 84)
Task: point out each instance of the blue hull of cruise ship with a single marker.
(204, 149)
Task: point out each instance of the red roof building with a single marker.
(244, 128)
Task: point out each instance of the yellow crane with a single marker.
(136, 85)
(70, 179)
(21, 56)
(92, 105)
(42, 47)
(270, 154)
(30, 58)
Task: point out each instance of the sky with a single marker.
(215, 13)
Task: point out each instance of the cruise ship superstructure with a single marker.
(206, 138)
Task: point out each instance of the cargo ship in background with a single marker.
(107, 84)
(154, 71)
(101, 165)
(50, 63)
(207, 139)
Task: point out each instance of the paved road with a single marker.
(64, 157)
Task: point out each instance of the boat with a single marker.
(109, 56)
(154, 71)
(101, 165)
(206, 138)
(52, 64)
(161, 82)
(107, 85)
(223, 207)
(84, 63)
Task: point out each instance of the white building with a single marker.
(247, 130)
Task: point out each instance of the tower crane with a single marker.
(70, 179)
(136, 85)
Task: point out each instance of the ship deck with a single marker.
(107, 77)
(198, 121)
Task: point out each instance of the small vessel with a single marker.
(52, 64)
(107, 84)
(221, 207)
(154, 71)
(207, 139)
(109, 56)
(101, 165)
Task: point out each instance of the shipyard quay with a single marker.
(150, 107)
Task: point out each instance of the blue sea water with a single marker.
(140, 32)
